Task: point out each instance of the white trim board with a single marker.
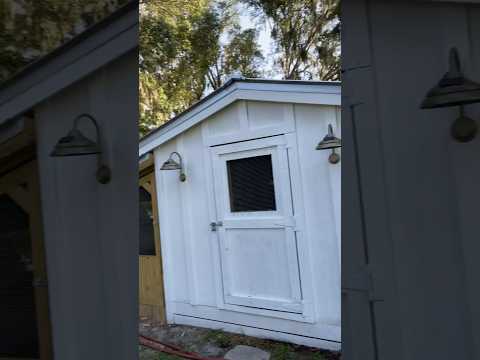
(272, 91)
(69, 66)
(324, 332)
(257, 332)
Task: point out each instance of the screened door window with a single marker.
(147, 234)
(250, 182)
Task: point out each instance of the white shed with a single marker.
(250, 241)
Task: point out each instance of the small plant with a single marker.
(162, 356)
(283, 352)
(224, 341)
(219, 338)
(149, 354)
(318, 356)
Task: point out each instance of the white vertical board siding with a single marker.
(90, 228)
(225, 122)
(407, 133)
(321, 203)
(190, 249)
(467, 184)
(429, 196)
(171, 227)
(197, 217)
(336, 183)
(183, 211)
(246, 120)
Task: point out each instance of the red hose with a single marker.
(171, 349)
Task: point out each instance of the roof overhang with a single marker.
(73, 61)
(290, 91)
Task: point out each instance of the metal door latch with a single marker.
(214, 225)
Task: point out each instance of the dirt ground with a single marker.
(216, 343)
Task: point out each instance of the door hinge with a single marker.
(215, 225)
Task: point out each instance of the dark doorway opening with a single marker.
(18, 324)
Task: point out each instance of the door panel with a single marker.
(256, 225)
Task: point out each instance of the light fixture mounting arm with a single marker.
(182, 175)
(103, 174)
(180, 161)
(94, 122)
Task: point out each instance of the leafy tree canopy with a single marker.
(306, 36)
(30, 29)
(241, 55)
(177, 44)
(182, 55)
(187, 47)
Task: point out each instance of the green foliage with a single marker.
(240, 55)
(145, 353)
(177, 45)
(283, 351)
(318, 356)
(181, 55)
(306, 34)
(219, 338)
(162, 356)
(30, 29)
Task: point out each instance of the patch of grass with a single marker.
(201, 340)
(282, 352)
(162, 356)
(149, 354)
(318, 356)
(219, 338)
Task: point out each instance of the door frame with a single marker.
(29, 199)
(289, 144)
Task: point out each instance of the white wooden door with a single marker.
(256, 225)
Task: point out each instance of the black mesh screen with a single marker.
(251, 185)
(147, 235)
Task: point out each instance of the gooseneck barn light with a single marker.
(330, 141)
(77, 144)
(454, 89)
(171, 164)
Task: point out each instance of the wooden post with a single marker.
(151, 288)
(22, 186)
